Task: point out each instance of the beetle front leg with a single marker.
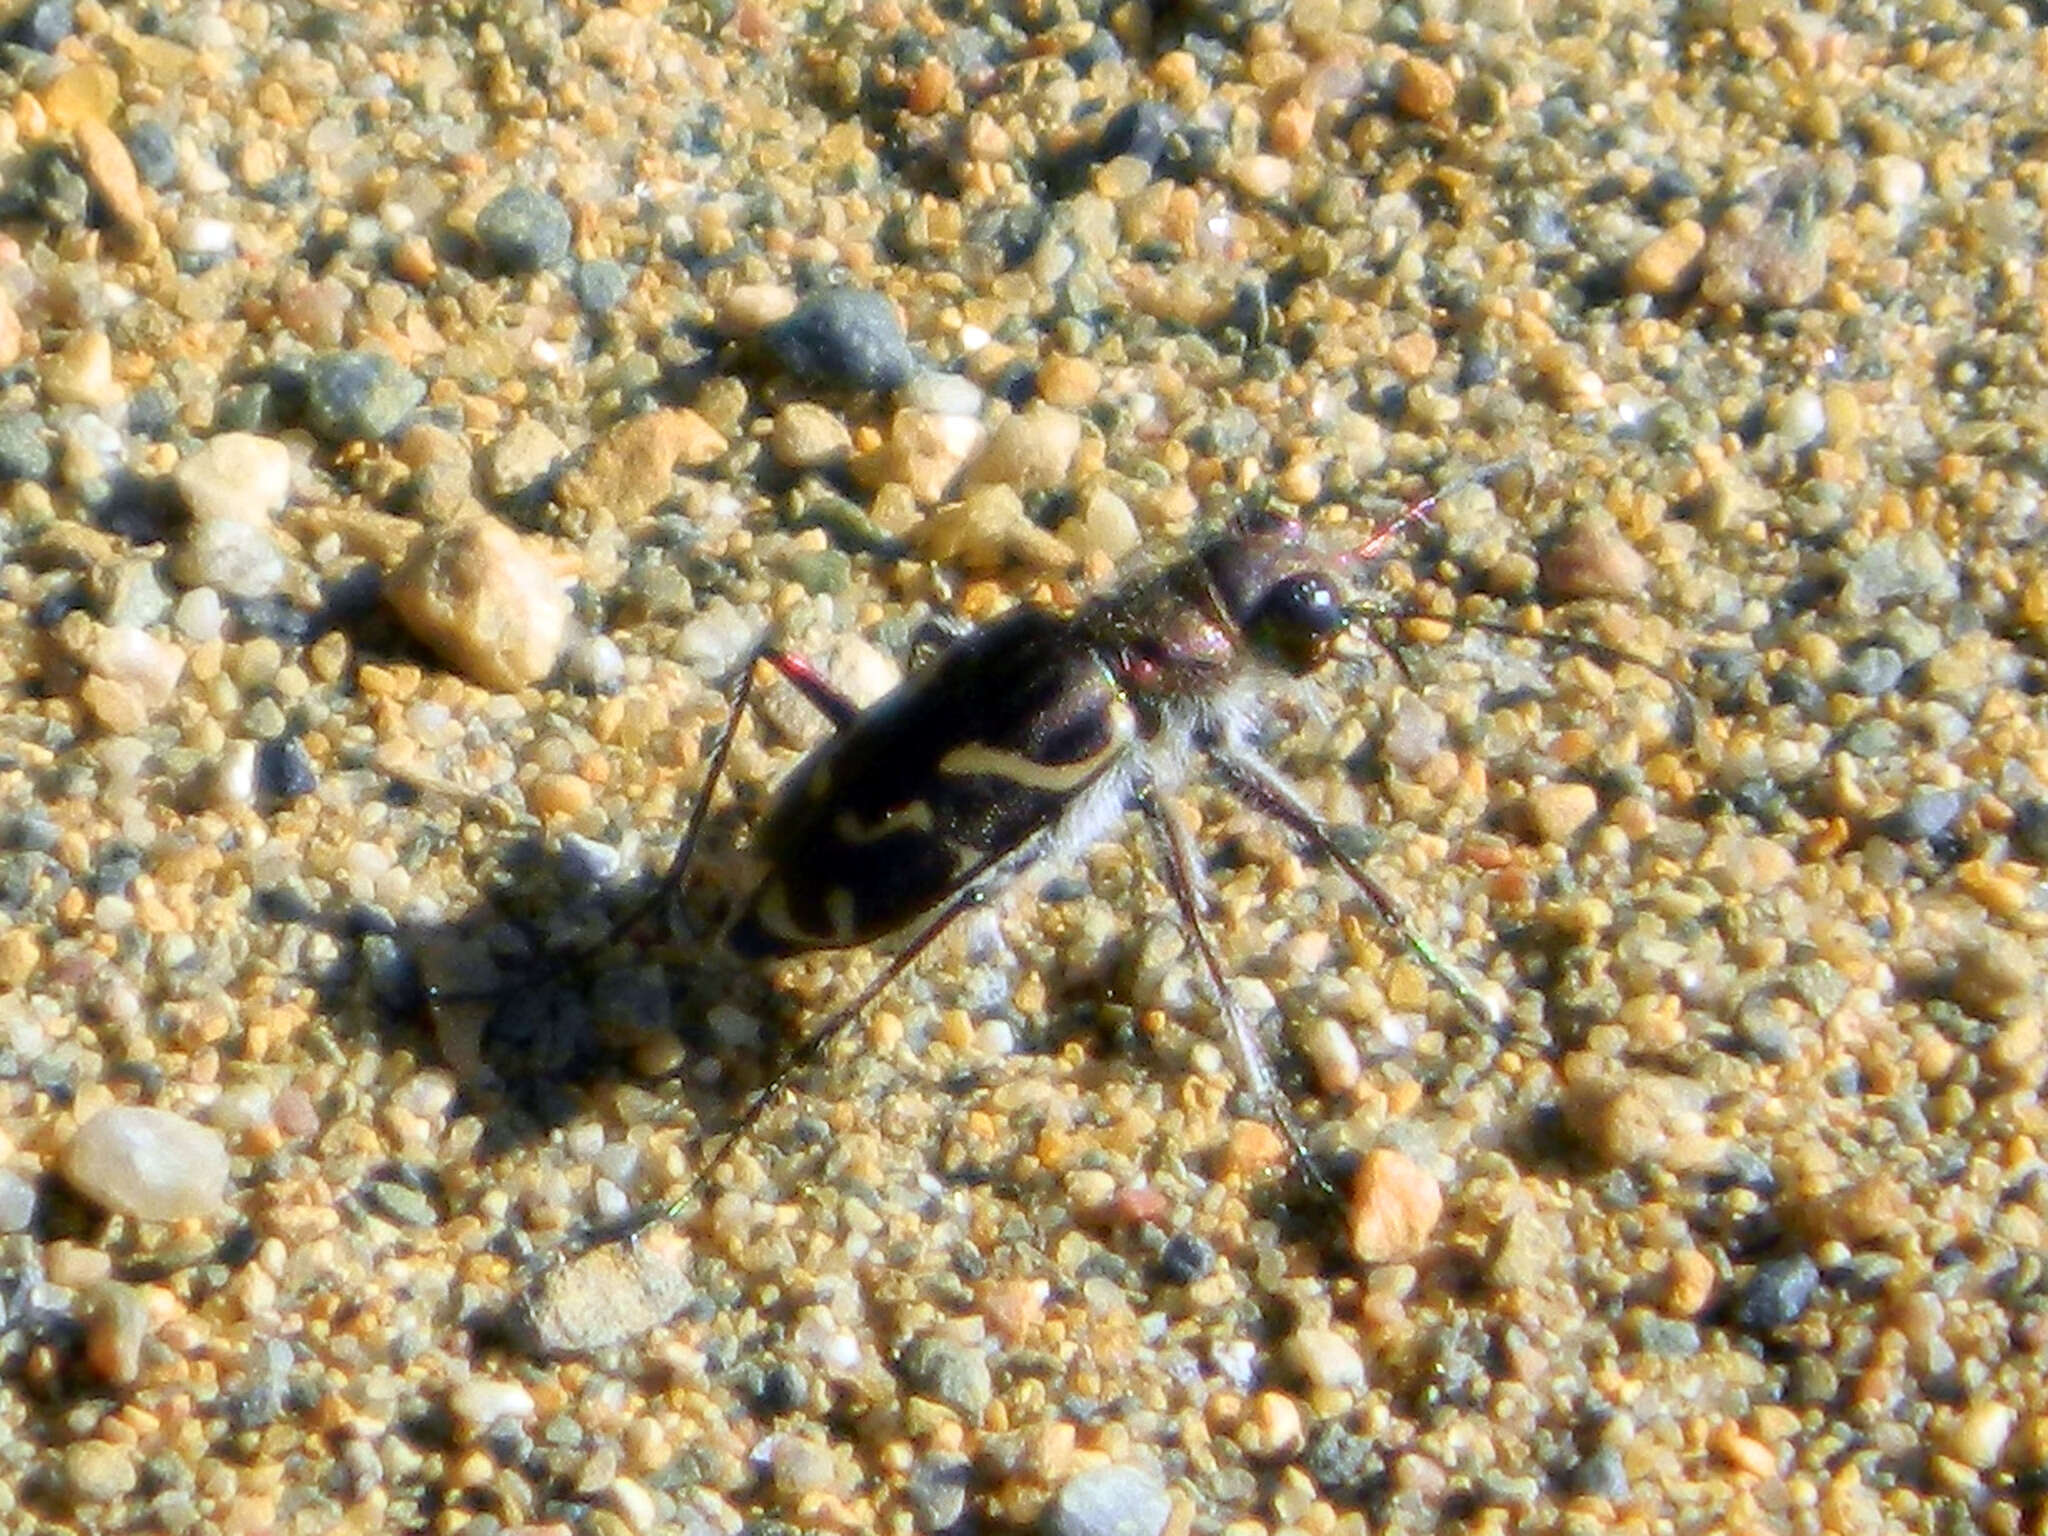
(1254, 1069)
(1260, 787)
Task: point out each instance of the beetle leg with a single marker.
(811, 683)
(808, 1050)
(686, 850)
(1260, 787)
(1254, 1070)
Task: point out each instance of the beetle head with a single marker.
(1279, 592)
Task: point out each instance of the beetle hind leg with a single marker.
(1254, 1068)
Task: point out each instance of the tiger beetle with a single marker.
(1027, 737)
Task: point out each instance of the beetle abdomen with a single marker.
(935, 786)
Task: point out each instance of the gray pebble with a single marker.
(148, 1163)
(600, 286)
(42, 24)
(1873, 671)
(131, 596)
(284, 770)
(352, 395)
(402, 1203)
(1910, 565)
(949, 1372)
(2030, 830)
(1778, 1294)
(1109, 1501)
(1602, 1475)
(1927, 813)
(24, 447)
(17, 1201)
(154, 152)
(844, 338)
(523, 229)
(938, 1491)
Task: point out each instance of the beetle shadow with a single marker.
(537, 1006)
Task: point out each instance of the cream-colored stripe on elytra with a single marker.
(771, 911)
(1058, 778)
(915, 817)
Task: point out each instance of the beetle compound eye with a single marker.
(1296, 621)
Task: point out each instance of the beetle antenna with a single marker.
(1423, 508)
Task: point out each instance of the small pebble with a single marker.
(235, 477)
(111, 171)
(494, 605)
(284, 771)
(844, 338)
(1070, 383)
(609, 1295)
(24, 447)
(1523, 1251)
(926, 453)
(1114, 1500)
(521, 460)
(600, 286)
(479, 1403)
(1184, 1258)
(949, 394)
(147, 1163)
(82, 372)
(1995, 978)
(988, 530)
(1688, 1283)
(17, 1193)
(132, 674)
(950, 1372)
(1670, 261)
(1778, 1294)
(11, 334)
(1031, 451)
(1977, 1435)
(1602, 1475)
(132, 595)
(1272, 1426)
(807, 436)
(1897, 182)
(1554, 813)
(154, 153)
(1594, 560)
(1333, 1051)
(523, 229)
(42, 24)
(354, 396)
(231, 556)
(1422, 88)
(1326, 1359)
(98, 1473)
(630, 470)
(799, 1465)
(117, 1325)
(1395, 1205)
(750, 308)
(594, 664)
